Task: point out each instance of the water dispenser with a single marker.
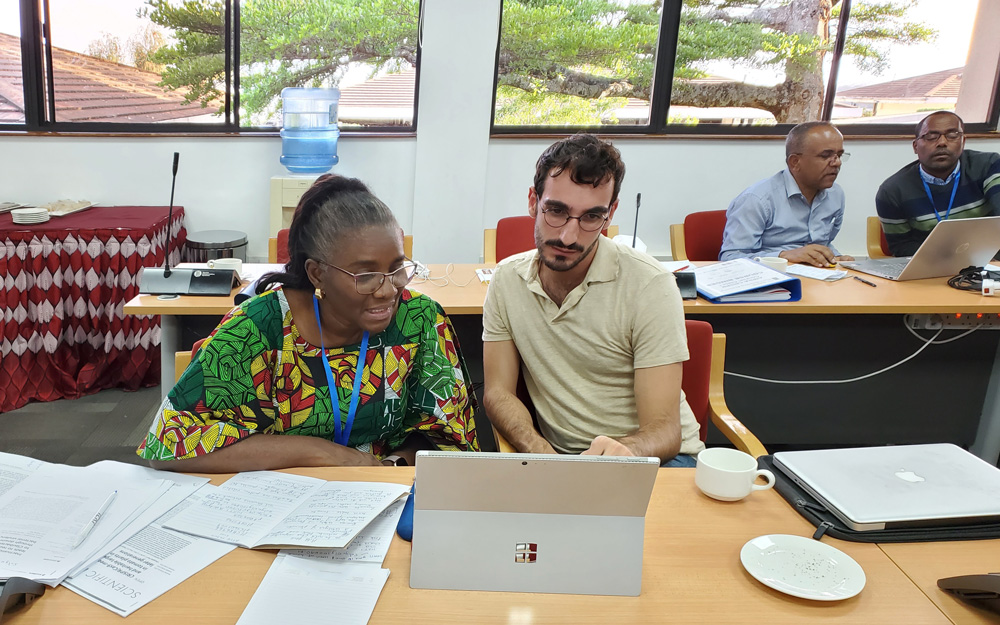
(309, 133)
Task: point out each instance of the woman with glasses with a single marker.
(268, 368)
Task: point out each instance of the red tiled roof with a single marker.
(91, 90)
(943, 84)
(391, 90)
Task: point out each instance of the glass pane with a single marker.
(11, 83)
(576, 63)
(751, 62)
(136, 61)
(899, 66)
(366, 48)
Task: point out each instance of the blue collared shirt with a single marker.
(773, 216)
(929, 179)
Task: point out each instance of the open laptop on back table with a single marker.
(530, 522)
(951, 246)
(874, 488)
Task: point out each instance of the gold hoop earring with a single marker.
(319, 294)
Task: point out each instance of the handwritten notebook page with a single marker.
(246, 507)
(370, 545)
(334, 514)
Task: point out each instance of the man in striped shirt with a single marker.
(945, 182)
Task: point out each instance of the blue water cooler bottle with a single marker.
(309, 133)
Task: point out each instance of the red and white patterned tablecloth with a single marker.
(64, 283)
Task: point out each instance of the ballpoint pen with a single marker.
(863, 281)
(89, 527)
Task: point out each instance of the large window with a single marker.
(739, 66)
(203, 65)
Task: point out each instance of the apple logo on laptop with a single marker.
(908, 476)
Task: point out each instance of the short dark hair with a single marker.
(796, 140)
(920, 125)
(590, 160)
(333, 207)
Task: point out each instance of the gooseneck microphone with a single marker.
(635, 228)
(170, 217)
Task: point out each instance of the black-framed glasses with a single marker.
(557, 217)
(951, 135)
(370, 281)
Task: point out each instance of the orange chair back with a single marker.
(703, 234)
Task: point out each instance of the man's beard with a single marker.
(563, 265)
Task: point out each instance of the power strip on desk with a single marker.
(954, 321)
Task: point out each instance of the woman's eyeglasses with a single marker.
(370, 281)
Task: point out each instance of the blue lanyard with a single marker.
(954, 188)
(341, 435)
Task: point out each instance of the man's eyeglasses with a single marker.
(829, 155)
(951, 135)
(558, 217)
(371, 281)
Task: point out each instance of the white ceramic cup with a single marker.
(226, 263)
(729, 474)
(774, 262)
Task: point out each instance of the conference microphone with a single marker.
(170, 283)
(170, 216)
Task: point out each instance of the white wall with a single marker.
(447, 184)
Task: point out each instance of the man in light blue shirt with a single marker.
(796, 213)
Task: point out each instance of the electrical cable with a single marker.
(927, 343)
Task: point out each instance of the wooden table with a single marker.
(691, 574)
(925, 563)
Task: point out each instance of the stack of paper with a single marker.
(56, 520)
(148, 564)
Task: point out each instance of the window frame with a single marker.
(39, 103)
(660, 92)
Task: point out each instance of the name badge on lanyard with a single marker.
(342, 434)
(951, 201)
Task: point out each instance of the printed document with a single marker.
(737, 277)
(270, 509)
(148, 564)
(297, 590)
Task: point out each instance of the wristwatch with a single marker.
(396, 461)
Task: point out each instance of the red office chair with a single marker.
(700, 237)
(702, 385)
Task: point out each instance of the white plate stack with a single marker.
(27, 216)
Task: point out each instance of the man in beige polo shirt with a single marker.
(595, 328)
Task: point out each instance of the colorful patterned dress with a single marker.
(255, 373)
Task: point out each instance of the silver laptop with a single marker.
(530, 522)
(951, 246)
(874, 488)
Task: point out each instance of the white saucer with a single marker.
(802, 567)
